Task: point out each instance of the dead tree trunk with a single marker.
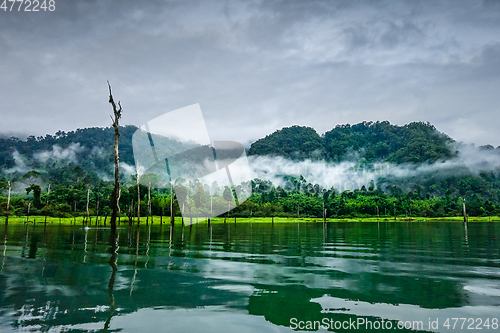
(149, 205)
(118, 204)
(171, 205)
(464, 210)
(138, 197)
(28, 215)
(47, 203)
(88, 199)
(8, 206)
(117, 113)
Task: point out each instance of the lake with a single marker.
(366, 277)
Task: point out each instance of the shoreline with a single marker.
(155, 220)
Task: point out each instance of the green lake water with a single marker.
(251, 278)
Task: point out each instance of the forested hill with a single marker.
(92, 148)
(72, 163)
(415, 142)
(296, 142)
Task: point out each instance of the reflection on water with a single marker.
(246, 277)
(113, 242)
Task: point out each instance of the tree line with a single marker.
(80, 193)
(70, 176)
(416, 142)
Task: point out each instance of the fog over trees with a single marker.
(297, 173)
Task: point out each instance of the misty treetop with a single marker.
(296, 143)
(74, 162)
(416, 142)
(92, 146)
(367, 141)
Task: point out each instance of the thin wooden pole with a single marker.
(149, 204)
(171, 204)
(138, 197)
(88, 199)
(464, 210)
(118, 207)
(8, 205)
(28, 215)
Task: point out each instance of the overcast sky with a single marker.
(254, 66)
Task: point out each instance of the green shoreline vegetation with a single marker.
(81, 221)
(90, 197)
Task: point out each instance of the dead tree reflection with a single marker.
(113, 242)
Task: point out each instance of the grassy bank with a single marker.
(178, 220)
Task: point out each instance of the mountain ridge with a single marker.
(380, 141)
(415, 142)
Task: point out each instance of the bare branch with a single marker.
(110, 96)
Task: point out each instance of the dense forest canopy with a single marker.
(80, 163)
(296, 142)
(375, 141)
(92, 142)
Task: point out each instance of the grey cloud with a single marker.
(254, 66)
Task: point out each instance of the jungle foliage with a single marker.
(80, 162)
(415, 142)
